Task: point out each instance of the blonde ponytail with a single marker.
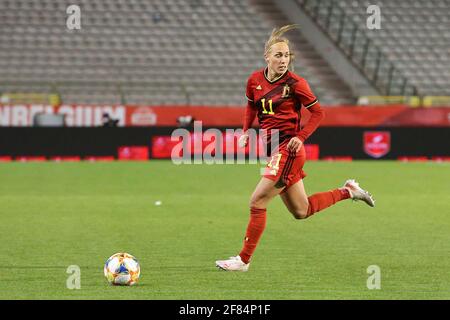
(276, 36)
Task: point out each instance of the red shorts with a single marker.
(286, 168)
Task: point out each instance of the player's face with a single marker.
(278, 58)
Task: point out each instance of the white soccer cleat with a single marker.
(233, 264)
(358, 193)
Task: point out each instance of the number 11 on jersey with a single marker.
(263, 103)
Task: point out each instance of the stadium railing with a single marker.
(412, 101)
(54, 93)
(384, 75)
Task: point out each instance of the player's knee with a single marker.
(301, 210)
(258, 201)
(300, 213)
(255, 203)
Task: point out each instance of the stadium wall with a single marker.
(45, 143)
(91, 115)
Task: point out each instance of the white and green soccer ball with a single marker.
(122, 269)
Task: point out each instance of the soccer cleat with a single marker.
(357, 193)
(233, 264)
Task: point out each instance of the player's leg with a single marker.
(301, 206)
(294, 195)
(264, 192)
(296, 200)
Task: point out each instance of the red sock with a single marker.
(320, 201)
(255, 229)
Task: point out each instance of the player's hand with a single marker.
(243, 141)
(294, 144)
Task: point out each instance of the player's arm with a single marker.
(250, 114)
(317, 114)
(310, 102)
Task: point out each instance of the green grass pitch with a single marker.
(54, 215)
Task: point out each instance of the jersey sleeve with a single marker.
(250, 111)
(304, 93)
(249, 90)
(250, 115)
(317, 114)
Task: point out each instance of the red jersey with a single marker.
(278, 103)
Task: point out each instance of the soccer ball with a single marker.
(122, 269)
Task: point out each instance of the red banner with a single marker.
(75, 115)
(164, 146)
(220, 116)
(133, 153)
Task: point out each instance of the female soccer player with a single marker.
(276, 96)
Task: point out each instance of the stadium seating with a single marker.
(414, 37)
(201, 51)
(157, 52)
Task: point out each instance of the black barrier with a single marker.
(357, 143)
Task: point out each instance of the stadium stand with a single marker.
(414, 38)
(158, 52)
(200, 52)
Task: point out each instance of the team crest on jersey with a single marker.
(286, 91)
